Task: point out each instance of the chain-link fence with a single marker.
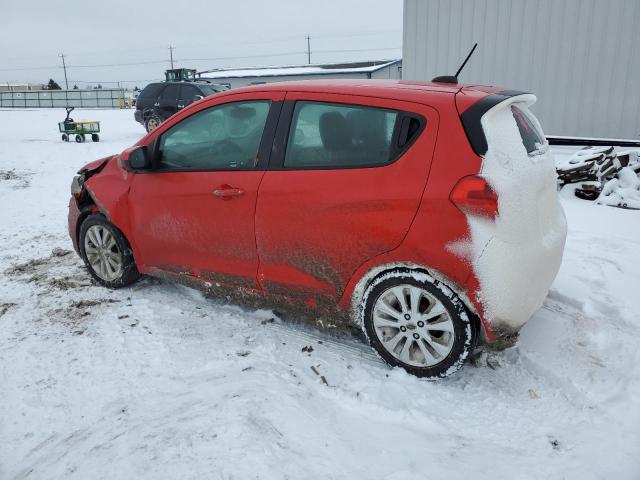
(96, 98)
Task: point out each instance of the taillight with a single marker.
(473, 195)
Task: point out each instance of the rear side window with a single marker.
(330, 135)
(532, 138)
(151, 91)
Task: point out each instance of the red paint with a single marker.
(312, 233)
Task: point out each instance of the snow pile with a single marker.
(623, 191)
(593, 167)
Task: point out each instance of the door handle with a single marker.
(227, 192)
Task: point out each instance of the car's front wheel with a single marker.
(106, 253)
(416, 322)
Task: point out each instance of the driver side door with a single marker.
(193, 213)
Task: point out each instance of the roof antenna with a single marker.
(454, 78)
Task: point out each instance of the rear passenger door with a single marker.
(343, 186)
(149, 97)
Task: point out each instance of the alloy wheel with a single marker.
(413, 325)
(103, 253)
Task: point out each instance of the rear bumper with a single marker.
(514, 279)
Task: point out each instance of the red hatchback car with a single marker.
(424, 213)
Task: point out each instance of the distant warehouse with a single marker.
(389, 69)
(581, 58)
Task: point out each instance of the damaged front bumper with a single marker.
(73, 218)
(80, 203)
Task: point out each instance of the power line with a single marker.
(232, 57)
(283, 38)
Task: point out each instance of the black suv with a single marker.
(158, 101)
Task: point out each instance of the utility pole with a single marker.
(308, 37)
(64, 67)
(171, 55)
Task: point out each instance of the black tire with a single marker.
(95, 137)
(463, 337)
(79, 139)
(128, 273)
(152, 122)
(65, 137)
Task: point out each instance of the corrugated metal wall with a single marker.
(95, 98)
(580, 57)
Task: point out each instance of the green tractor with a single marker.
(180, 75)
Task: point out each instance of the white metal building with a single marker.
(389, 69)
(580, 57)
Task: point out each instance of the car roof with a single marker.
(400, 89)
(403, 90)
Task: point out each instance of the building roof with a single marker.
(327, 69)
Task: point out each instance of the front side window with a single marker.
(331, 135)
(226, 137)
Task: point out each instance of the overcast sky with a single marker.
(205, 34)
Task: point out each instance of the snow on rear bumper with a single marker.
(516, 278)
(516, 256)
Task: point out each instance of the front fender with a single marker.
(109, 191)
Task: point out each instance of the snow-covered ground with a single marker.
(156, 381)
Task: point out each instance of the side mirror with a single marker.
(197, 97)
(139, 158)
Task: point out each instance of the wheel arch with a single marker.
(357, 295)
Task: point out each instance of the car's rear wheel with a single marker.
(106, 253)
(152, 122)
(416, 322)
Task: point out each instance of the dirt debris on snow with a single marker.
(48, 271)
(4, 307)
(15, 179)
